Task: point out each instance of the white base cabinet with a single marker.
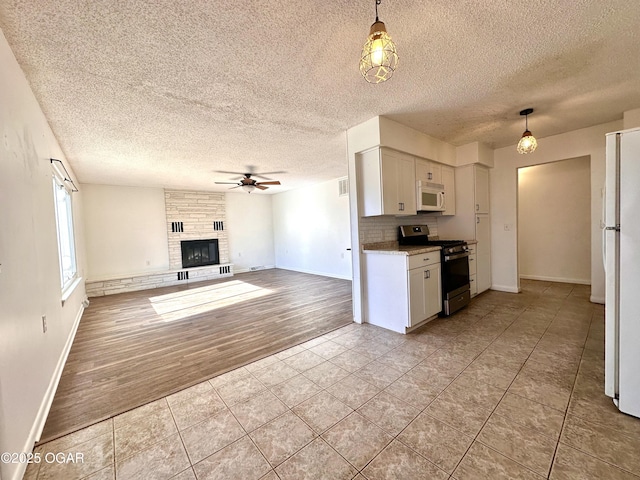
(402, 291)
(473, 262)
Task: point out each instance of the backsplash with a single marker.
(385, 228)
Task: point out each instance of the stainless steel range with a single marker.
(454, 258)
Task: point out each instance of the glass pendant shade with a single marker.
(248, 188)
(527, 143)
(379, 58)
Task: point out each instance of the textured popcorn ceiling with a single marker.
(166, 92)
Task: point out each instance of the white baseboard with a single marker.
(594, 299)
(505, 288)
(312, 272)
(556, 279)
(245, 270)
(45, 405)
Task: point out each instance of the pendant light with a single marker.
(528, 142)
(379, 58)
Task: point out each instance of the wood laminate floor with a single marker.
(133, 348)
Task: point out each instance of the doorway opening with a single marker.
(554, 221)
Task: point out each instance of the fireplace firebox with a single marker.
(198, 253)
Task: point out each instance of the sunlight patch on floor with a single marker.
(195, 301)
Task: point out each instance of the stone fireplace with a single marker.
(196, 232)
(195, 216)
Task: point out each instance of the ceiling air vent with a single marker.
(343, 187)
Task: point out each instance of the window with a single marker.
(64, 222)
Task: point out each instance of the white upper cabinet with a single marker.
(432, 172)
(388, 183)
(449, 182)
(427, 171)
(481, 184)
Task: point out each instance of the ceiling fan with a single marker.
(249, 184)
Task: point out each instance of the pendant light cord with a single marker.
(377, 3)
(526, 122)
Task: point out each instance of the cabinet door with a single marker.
(398, 183)
(435, 172)
(432, 290)
(482, 189)
(407, 194)
(483, 253)
(448, 180)
(390, 174)
(473, 286)
(422, 170)
(417, 310)
(427, 171)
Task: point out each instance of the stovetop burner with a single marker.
(443, 243)
(419, 235)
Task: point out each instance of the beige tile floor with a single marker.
(511, 387)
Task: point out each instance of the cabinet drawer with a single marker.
(473, 290)
(418, 261)
(472, 264)
(472, 248)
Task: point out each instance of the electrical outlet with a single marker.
(44, 324)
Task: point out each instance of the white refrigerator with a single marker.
(621, 233)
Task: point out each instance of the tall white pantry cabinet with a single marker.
(472, 220)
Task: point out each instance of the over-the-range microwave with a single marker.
(430, 197)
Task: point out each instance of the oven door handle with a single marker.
(448, 258)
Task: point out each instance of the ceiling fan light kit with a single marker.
(528, 142)
(379, 57)
(249, 184)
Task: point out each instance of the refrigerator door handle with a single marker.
(604, 249)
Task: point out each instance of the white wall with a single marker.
(125, 230)
(311, 230)
(554, 221)
(30, 360)
(584, 142)
(631, 119)
(250, 229)
(406, 139)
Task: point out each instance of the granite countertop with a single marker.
(392, 248)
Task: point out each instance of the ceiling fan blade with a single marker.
(237, 186)
(275, 182)
(227, 183)
(264, 175)
(257, 185)
(269, 173)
